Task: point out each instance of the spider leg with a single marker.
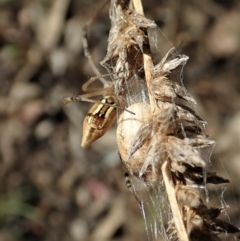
(131, 189)
(86, 47)
(107, 84)
(84, 97)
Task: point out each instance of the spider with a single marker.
(103, 113)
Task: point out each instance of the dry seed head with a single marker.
(168, 130)
(180, 151)
(127, 32)
(124, 56)
(188, 197)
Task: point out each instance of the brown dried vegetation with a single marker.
(167, 130)
(160, 131)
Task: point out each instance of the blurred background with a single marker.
(51, 189)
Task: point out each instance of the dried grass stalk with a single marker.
(165, 136)
(159, 137)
